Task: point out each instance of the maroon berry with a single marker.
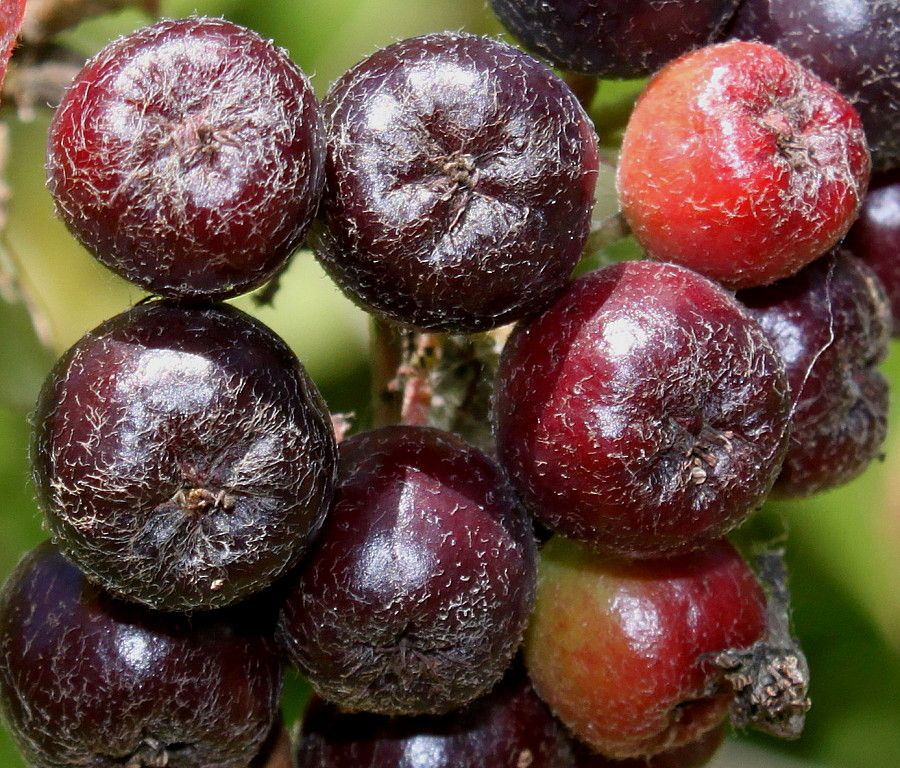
(460, 179)
(510, 727)
(852, 44)
(188, 157)
(418, 589)
(645, 412)
(182, 457)
(88, 680)
(831, 324)
(610, 38)
(875, 237)
(622, 650)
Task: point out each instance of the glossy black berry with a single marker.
(460, 177)
(611, 38)
(182, 457)
(510, 727)
(188, 157)
(418, 589)
(88, 680)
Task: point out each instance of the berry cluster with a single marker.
(209, 519)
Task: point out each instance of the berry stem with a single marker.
(771, 678)
(45, 18)
(385, 355)
(583, 86)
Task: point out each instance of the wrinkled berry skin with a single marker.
(619, 649)
(611, 38)
(188, 157)
(644, 412)
(852, 44)
(88, 680)
(459, 183)
(509, 727)
(182, 457)
(417, 592)
(831, 324)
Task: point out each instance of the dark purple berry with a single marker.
(852, 44)
(182, 456)
(188, 158)
(831, 324)
(875, 237)
(418, 589)
(510, 727)
(645, 412)
(88, 680)
(611, 38)
(460, 179)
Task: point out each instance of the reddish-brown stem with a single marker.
(385, 354)
(583, 86)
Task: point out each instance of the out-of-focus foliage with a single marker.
(843, 546)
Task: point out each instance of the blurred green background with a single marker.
(843, 547)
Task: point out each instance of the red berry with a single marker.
(645, 412)
(741, 164)
(619, 649)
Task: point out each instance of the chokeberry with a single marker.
(622, 650)
(459, 183)
(831, 324)
(86, 679)
(418, 589)
(510, 727)
(182, 457)
(644, 412)
(609, 38)
(188, 157)
(742, 164)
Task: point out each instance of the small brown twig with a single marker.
(46, 18)
(771, 678)
(435, 379)
(583, 86)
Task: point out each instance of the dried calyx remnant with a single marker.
(771, 678)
